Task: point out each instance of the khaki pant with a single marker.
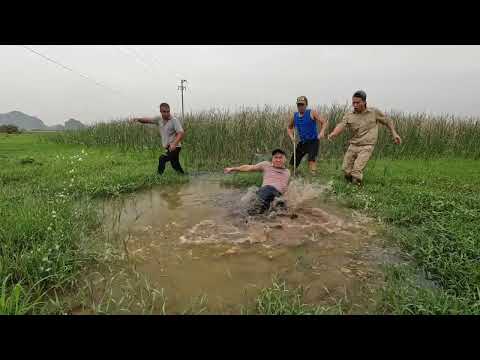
(356, 159)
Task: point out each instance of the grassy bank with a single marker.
(432, 209)
(47, 214)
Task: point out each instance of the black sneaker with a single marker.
(356, 181)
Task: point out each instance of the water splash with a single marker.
(299, 193)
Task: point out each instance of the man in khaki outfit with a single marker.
(363, 123)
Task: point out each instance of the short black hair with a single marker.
(164, 105)
(360, 94)
(278, 151)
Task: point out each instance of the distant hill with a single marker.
(73, 124)
(27, 122)
(23, 121)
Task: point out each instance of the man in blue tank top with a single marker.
(306, 121)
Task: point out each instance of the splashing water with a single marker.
(301, 191)
(298, 193)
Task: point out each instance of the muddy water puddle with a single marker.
(195, 241)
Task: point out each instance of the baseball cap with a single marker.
(302, 100)
(278, 151)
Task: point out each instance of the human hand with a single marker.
(397, 139)
(330, 137)
(228, 170)
(171, 147)
(321, 135)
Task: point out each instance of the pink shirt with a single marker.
(276, 177)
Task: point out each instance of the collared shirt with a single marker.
(364, 125)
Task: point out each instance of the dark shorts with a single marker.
(265, 196)
(303, 148)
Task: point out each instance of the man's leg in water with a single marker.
(299, 154)
(265, 196)
(176, 161)
(162, 162)
(313, 148)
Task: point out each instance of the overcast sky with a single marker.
(438, 79)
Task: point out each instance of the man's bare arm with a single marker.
(290, 127)
(243, 168)
(180, 135)
(144, 120)
(321, 122)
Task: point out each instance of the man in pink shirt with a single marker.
(275, 179)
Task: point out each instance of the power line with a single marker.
(157, 64)
(72, 70)
(142, 56)
(129, 52)
(98, 83)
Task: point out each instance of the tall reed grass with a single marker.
(218, 137)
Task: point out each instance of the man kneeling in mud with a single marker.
(275, 180)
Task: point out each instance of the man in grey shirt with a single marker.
(172, 134)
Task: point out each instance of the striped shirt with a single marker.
(276, 177)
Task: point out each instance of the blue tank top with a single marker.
(306, 126)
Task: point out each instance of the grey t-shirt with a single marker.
(168, 129)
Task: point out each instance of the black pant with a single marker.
(173, 157)
(309, 147)
(265, 196)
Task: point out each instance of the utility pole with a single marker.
(182, 88)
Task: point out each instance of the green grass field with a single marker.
(47, 216)
(428, 197)
(432, 210)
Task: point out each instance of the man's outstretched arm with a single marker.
(242, 168)
(337, 131)
(144, 120)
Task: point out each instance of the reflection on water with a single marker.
(195, 239)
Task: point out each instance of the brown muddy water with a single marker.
(195, 244)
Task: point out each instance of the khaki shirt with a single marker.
(364, 126)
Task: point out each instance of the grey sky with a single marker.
(438, 79)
